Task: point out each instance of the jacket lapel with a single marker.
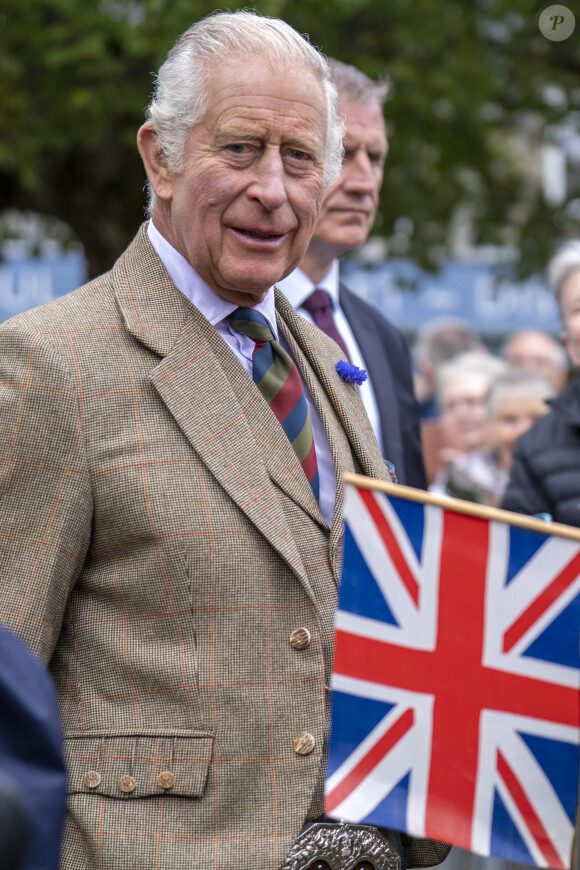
(308, 343)
(380, 369)
(345, 421)
(198, 372)
(241, 426)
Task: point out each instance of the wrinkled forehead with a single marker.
(248, 87)
(363, 116)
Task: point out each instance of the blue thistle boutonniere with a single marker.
(351, 374)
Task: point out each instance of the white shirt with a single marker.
(216, 310)
(297, 287)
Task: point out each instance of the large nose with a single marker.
(359, 175)
(269, 185)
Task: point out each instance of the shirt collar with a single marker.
(297, 286)
(213, 306)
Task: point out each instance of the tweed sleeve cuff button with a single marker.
(92, 779)
(166, 779)
(127, 784)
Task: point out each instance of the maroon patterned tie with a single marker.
(319, 306)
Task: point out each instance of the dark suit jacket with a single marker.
(388, 363)
(32, 773)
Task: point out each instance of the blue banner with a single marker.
(491, 304)
(29, 282)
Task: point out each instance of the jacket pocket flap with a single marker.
(135, 766)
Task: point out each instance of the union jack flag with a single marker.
(455, 691)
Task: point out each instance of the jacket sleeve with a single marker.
(45, 493)
(411, 429)
(524, 493)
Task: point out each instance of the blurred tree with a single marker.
(476, 91)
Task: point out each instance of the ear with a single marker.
(160, 178)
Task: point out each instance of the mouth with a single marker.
(352, 210)
(258, 237)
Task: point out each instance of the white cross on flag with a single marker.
(455, 691)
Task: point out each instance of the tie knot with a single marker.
(251, 323)
(318, 301)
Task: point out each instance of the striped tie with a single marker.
(279, 381)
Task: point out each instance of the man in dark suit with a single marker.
(345, 220)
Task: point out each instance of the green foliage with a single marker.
(472, 84)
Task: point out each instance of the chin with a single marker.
(352, 239)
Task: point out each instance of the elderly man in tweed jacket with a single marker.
(161, 546)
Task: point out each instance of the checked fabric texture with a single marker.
(159, 545)
(279, 381)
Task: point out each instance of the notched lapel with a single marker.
(380, 369)
(153, 309)
(197, 386)
(197, 379)
(342, 396)
(349, 433)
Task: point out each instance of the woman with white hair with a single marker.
(515, 400)
(545, 476)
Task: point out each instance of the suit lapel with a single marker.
(349, 433)
(321, 354)
(241, 426)
(199, 372)
(380, 370)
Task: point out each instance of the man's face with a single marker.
(537, 352)
(464, 409)
(513, 416)
(244, 206)
(349, 210)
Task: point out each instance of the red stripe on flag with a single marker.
(458, 687)
(370, 760)
(535, 826)
(541, 604)
(391, 544)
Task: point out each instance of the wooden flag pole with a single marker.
(463, 507)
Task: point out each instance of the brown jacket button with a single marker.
(127, 783)
(92, 779)
(300, 638)
(166, 779)
(304, 743)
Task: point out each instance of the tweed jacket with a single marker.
(160, 546)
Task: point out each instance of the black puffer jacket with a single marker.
(545, 476)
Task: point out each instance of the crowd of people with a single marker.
(173, 440)
(476, 406)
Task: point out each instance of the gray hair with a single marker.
(356, 86)
(441, 339)
(557, 352)
(181, 98)
(476, 362)
(561, 266)
(518, 383)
